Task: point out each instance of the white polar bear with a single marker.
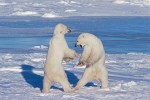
(58, 50)
(93, 57)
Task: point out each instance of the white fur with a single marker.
(93, 57)
(58, 50)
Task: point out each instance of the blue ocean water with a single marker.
(118, 34)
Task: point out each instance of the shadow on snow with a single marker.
(36, 81)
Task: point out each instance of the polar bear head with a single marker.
(84, 39)
(61, 29)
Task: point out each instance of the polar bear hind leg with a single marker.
(46, 84)
(87, 76)
(62, 79)
(103, 77)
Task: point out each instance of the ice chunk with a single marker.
(71, 10)
(120, 2)
(50, 15)
(25, 13)
(40, 47)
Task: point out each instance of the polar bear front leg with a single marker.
(69, 53)
(46, 84)
(85, 55)
(87, 76)
(67, 59)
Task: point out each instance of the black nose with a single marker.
(75, 45)
(81, 46)
(69, 30)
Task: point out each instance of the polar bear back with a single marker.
(56, 51)
(97, 53)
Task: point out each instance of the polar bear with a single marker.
(93, 57)
(58, 50)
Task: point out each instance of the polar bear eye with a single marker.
(61, 31)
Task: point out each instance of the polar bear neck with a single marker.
(59, 35)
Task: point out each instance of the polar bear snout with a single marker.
(69, 30)
(66, 30)
(78, 44)
(75, 45)
(81, 41)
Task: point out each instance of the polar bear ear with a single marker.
(83, 36)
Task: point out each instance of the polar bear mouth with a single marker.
(81, 46)
(69, 30)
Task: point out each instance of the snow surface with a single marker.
(22, 74)
(140, 3)
(55, 8)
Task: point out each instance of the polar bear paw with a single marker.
(44, 91)
(68, 90)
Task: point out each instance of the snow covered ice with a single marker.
(26, 27)
(22, 75)
(61, 8)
